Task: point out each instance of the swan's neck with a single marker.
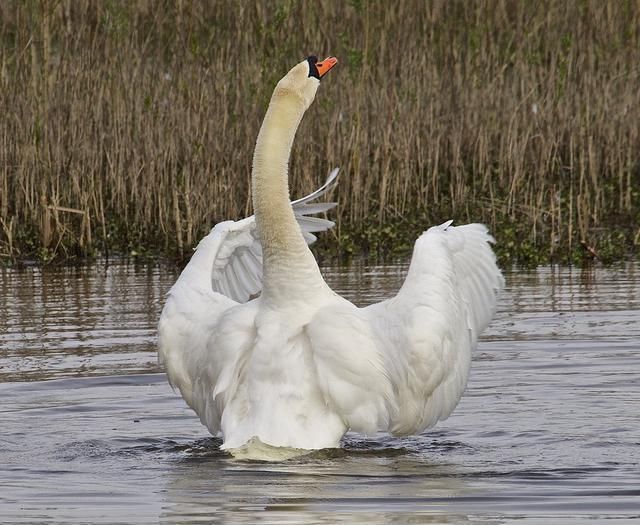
(288, 265)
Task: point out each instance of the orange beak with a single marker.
(326, 65)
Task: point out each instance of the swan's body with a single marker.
(299, 366)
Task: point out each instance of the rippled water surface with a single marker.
(547, 432)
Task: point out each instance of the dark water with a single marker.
(547, 432)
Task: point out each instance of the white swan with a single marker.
(299, 366)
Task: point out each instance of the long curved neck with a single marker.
(287, 262)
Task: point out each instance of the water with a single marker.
(547, 432)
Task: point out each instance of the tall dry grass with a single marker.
(130, 125)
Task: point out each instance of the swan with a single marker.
(296, 367)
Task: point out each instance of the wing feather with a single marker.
(251, 271)
(317, 207)
(233, 282)
(329, 184)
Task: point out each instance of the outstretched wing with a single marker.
(430, 327)
(402, 364)
(237, 268)
(190, 315)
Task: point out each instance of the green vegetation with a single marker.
(129, 126)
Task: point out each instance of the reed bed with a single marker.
(129, 126)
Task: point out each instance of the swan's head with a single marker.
(303, 79)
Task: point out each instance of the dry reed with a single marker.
(130, 125)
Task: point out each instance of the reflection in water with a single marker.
(80, 320)
(547, 431)
(358, 483)
(367, 478)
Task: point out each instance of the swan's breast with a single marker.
(278, 399)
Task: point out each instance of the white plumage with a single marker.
(298, 366)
